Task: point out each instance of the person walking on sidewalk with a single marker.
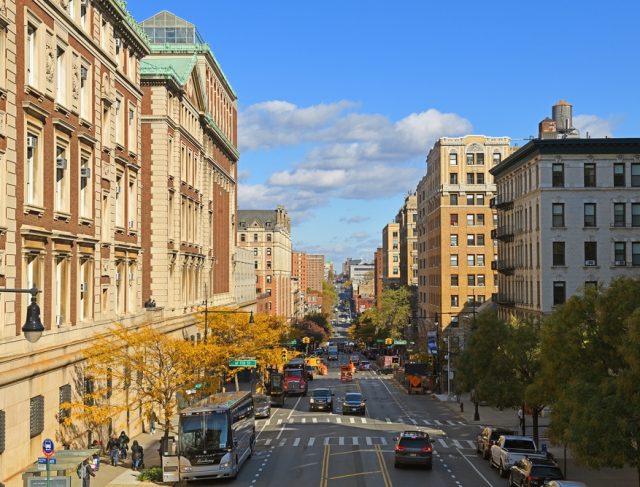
(152, 422)
(85, 472)
(521, 419)
(137, 456)
(124, 444)
(113, 447)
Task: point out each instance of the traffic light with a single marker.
(285, 354)
(388, 341)
(306, 340)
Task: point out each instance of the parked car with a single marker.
(262, 406)
(511, 448)
(534, 472)
(414, 448)
(353, 403)
(487, 437)
(566, 483)
(364, 365)
(321, 399)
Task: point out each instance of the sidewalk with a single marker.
(123, 475)
(508, 418)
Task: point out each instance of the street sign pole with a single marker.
(48, 448)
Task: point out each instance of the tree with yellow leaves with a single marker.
(131, 369)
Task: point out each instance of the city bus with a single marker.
(215, 437)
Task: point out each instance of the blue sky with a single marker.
(340, 100)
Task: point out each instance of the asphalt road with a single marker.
(299, 447)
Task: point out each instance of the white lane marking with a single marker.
(339, 420)
(288, 417)
(326, 440)
(296, 442)
(438, 422)
(387, 420)
(369, 442)
(341, 440)
(304, 420)
(267, 442)
(457, 443)
(279, 422)
(383, 441)
(473, 467)
(352, 420)
(442, 442)
(267, 422)
(312, 440)
(413, 421)
(354, 439)
(291, 420)
(314, 420)
(427, 422)
(471, 443)
(451, 423)
(364, 420)
(283, 441)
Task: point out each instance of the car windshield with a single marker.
(365, 362)
(203, 432)
(546, 472)
(294, 372)
(353, 397)
(412, 442)
(260, 401)
(321, 393)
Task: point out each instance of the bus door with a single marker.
(169, 459)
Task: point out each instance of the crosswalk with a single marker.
(364, 441)
(338, 419)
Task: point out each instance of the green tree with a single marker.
(394, 313)
(329, 298)
(591, 371)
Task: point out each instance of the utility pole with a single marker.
(449, 365)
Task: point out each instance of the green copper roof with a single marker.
(133, 23)
(179, 68)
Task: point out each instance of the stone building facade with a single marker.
(568, 218)
(391, 255)
(406, 220)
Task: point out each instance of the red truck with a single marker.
(295, 378)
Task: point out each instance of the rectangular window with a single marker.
(268, 250)
(33, 170)
(558, 214)
(453, 178)
(61, 77)
(453, 260)
(619, 175)
(480, 200)
(635, 253)
(589, 214)
(480, 259)
(32, 53)
(480, 159)
(105, 126)
(471, 239)
(86, 289)
(480, 239)
(557, 175)
(453, 199)
(470, 159)
(471, 260)
(481, 280)
(268, 264)
(268, 279)
(590, 175)
(619, 215)
(85, 92)
(118, 113)
(590, 253)
(36, 416)
(635, 214)
(86, 195)
(635, 175)
(497, 158)
(559, 292)
(120, 201)
(132, 130)
(480, 219)
(471, 178)
(471, 219)
(454, 219)
(620, 253)
(61, 202)
(3, 431)
(471, 279)
(480, 178)
(454, 300)
(453, 159)
(470, 200)
(64, 395)
(558, 254)
(61, 296)
(243, 237)
(255, 237)
(454, 279)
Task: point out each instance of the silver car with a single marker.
(262, 406)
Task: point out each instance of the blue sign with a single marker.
(47, 446)
(432, 343)
(45, 460)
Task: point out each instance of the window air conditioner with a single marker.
(31, 142)
(85, 172)
(83, 287)
(117, 276)
(621, 262)
(61, 163)
(590, 263)
(118, 42)
(84, 3)
(117, 189)
(131, 276)
(131, 223)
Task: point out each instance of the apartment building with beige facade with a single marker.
(568, 218)
(391, 255)
(70, 203)
(268, 234)
(454, 226)
(189, 127)
(406, 219)
(308, 269)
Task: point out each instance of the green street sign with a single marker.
(242, 362)
(293, 342)
(399, 342)
(380, 340)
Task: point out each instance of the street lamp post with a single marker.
(33, 326)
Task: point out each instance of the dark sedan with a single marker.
(321, 399)
(353, 403)
(414, 448)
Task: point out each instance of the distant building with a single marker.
(568, 218)
(360, 273)
(406, 220)
(454, 226)
(244, 278)
(346, 266)
(377, 271)
(391, 255)
(268, 234)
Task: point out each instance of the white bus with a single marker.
(215, 437)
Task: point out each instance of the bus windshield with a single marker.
(204, 432)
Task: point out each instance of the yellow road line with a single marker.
(354, 474)
(383, 467)
(351, 452)
(324, 474)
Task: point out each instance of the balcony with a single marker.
(503, 234)
(505, 301)
(504, 267)
(501, 202)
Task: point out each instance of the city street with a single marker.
(298, 447)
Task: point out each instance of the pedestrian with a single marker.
(520, 418)
(152, 422)
(123, 441)
(137, 456)
(113, 447)
(85, 472)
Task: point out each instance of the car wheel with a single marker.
(501, 470)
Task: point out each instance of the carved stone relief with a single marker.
(475, 147)
(75, 80)
(49, 61)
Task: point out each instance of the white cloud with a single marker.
(595, 126)
(317, 179)
(355, 219)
